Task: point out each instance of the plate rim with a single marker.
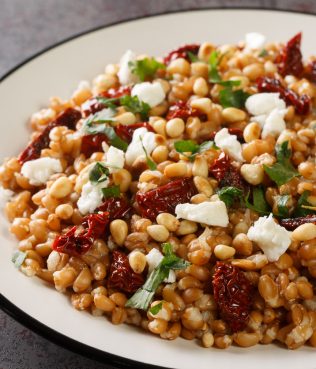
(27, 320)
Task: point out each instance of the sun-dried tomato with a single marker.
(122, 276)
(164, 199)
(92, 105)
(182, 52)
(290, 59)
(183, 110)
(92, 143)
(310, 72)
(232, 131)
(68, 118)
(76, 243)
(233, 295)
(225, 173)
(125, 132)
(292, 223)
(301, 103)
(117, 207)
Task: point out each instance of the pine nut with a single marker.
(62, 187)
(119, 230)
(175, 170)
(232, 115)
(158, 232)
(137, 261)
(224, 252)
(169, 221)
(304, 232)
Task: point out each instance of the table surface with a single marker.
(26, 27)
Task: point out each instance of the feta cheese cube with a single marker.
(272, 239)
(125, 74)
(91, 197)
(274, 123)
(154, 258)
(115, 159)
(211, 213)
(264, 103)
(254, 40)
(150, 93)
(229, 143)
(39, 171)
(141, 137)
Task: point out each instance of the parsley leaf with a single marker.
(282, 171)
(99, 173)
(193, 58)
(184, 146)
(283, 210)
(301, 211)
(145, 68)
(93, 122)
(151, 164)
(229, 97)
(263, 53)
(155, 309)
(133, 104)
(113, 191)
(214, 62)
(230, 194)
(260, 204)
(144, 295)
(110, 103)
(18, 258)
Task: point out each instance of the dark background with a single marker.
(28, 26)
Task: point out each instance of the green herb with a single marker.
(99, 173)
(263, 53)
(185, 146)
(229, 97)
(144, 295)
(230, 194)
(18, 258)
(167, 248)
(133, 104)
(302, 203)
(260, 204)
(283, 210)
(94, 121)
(151, 164)
(282, 171)
(113, 191)
(193, 58)
(110, 103)
(229, 83)
(145, 68)
(155, 309)
(214, 62)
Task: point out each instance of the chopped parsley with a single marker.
(259, 202)
(134, 105)
(193, 58)
(18, 258)
(151, 164)
(99, 173)
(145, 68)
(236, 98)
(282, 171)
(113, 191)
(303, 207)
(189, 146)
(283, 210)
(155, 309)
(230, 194)
(263, 53)
(144, 295)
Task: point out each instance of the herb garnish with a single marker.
(263, 53)
(283, 210)
(145, 68)
(144, 295)
(303, 207)
(185, 146)
(113, 191)
(230, 194)
(18, 258)
(193, 58)
(151, 164)
(282, 171)
(99, 173)
(260, 204)
(155, 309)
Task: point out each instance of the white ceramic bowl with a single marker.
(56, 72)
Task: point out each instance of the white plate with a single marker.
(57, 72)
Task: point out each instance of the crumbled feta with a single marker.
(5, 196)
(115, 159)
(264, 103)
(229, 143)
(274, 123)
(39, 171)
(125, 74)
(154, 258)
(254, 40)
(91, 196)
(272, 239)
(135, 148)
(150, 93)
(211, 213)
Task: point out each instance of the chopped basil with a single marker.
(230, 194)
(282, 171)
(99, 173)
(18, 258)
(134, 105)
(145, 68)
(155, 309)
(193, 58)
(151, 164)
(260, 204)
(303, 207)
(144, 295)
(113, 191)
(283, 210)
(263, 53)
(236, 98)
(185, 146)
